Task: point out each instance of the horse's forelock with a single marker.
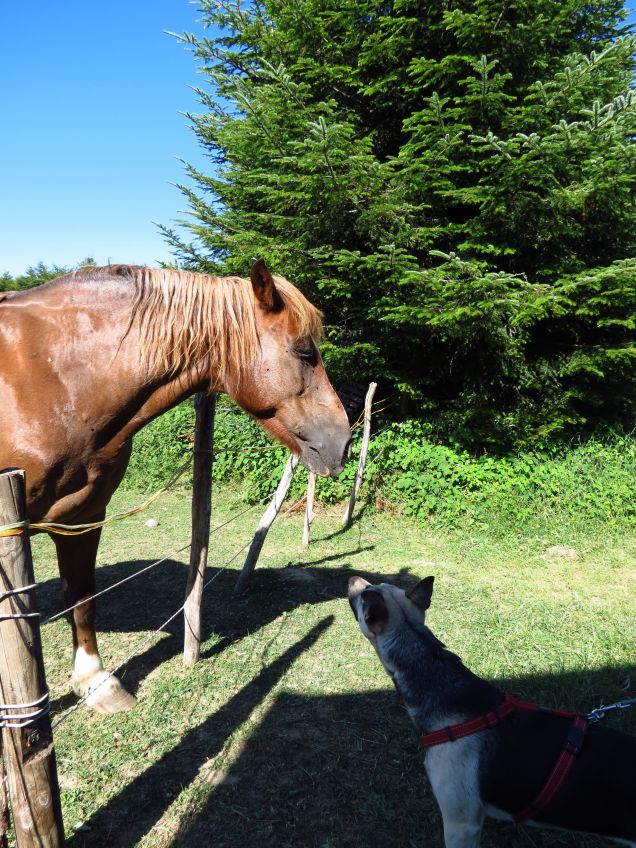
(306, 317)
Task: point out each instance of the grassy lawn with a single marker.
(288, 732)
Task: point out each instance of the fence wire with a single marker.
(143, 643)
(152, 565)
(171, 618)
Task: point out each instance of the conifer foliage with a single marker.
(451, 181)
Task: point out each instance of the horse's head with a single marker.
(287, 389)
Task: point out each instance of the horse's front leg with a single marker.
(76, 557)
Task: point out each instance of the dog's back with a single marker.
(599, 795)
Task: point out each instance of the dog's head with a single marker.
(382, 610)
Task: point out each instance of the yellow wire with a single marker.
(78, 529)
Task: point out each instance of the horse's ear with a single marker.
(263, 284)
(421, 593)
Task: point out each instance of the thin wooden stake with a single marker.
(205, 405)
(28, 750)
(309, 509)
(264, 524)
(4, 805)
(366, 435)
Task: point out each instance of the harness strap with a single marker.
(559, 773)
(571, 747)
(473, 725)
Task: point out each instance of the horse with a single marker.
(91, 357)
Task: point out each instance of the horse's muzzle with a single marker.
(327, 452)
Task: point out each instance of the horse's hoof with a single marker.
(107, 695)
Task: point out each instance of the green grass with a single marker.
(288, 732)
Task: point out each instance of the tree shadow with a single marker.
(146, 603)
(347, 771)
(337, 770)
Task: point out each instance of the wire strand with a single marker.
(143, 643)
(146, 568)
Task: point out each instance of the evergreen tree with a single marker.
(451, 181)
(36, 275)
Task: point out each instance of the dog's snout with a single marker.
(356, 586)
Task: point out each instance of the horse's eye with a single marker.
(307, 352)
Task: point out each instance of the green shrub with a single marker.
(591, 481)
(160, 448)
(243, 452)
(408, 470)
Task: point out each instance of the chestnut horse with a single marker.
(92, 356)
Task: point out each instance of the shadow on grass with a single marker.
(356, 519)
(145, 603)
(153, 791)
(343, 771)
(346, 771)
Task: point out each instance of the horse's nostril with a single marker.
(347, 451)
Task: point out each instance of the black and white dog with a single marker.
(488, 754)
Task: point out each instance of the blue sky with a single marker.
(91, 129)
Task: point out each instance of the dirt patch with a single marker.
(561, 552)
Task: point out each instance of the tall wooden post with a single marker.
(264, 524)
(205, 405)
(366, 435)
(26, 734)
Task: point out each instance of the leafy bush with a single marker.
(243, 452)
(591, 481)
(410, 471)
(160, 448)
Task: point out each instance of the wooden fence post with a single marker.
(264, 524)
(205, 405)
(28, 746)
(309, 509)
(366, 435)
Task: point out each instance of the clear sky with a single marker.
(91, 130)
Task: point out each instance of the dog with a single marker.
(488, 754)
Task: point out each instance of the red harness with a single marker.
(571, 746)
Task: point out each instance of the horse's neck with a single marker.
(105, 345)
(161, 395)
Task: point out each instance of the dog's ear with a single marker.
(375, 611)
(421, 593)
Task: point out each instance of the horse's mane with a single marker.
(184, 317)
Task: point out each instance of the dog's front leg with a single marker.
(453, 775)
(462, 834)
